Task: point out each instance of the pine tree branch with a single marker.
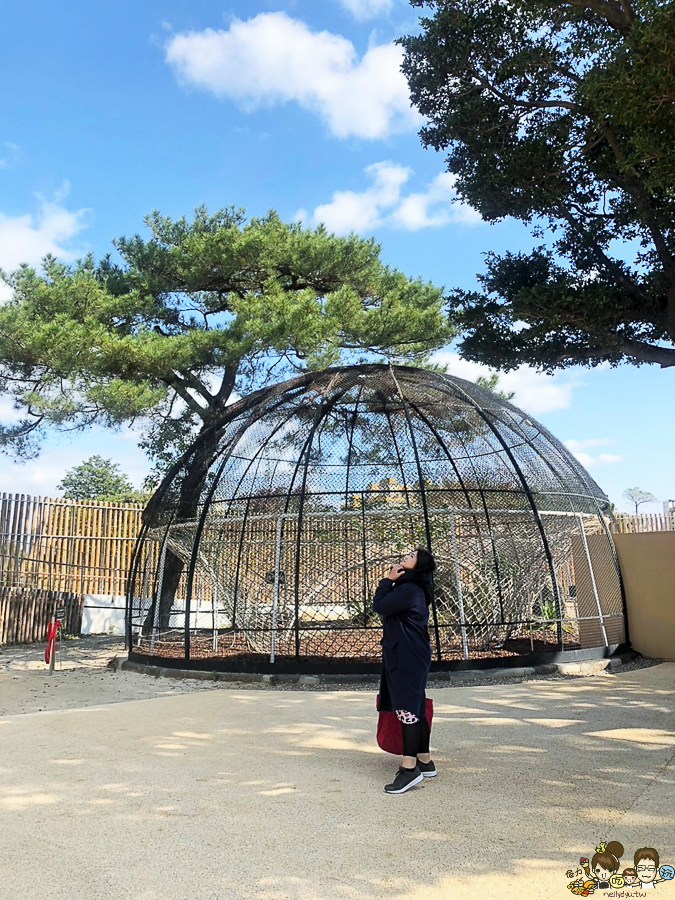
(650, 353)
(226, 385)
(196, 385)
(181, 389)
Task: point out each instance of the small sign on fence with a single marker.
(269, 577)
(60, 614)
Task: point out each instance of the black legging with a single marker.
(416, 738)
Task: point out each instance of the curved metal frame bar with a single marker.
(468, 499)
(533, 506)
(246, 424)
(321, 414)
(423, 497)
(327, 390)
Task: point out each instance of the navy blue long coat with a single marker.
(406, 650)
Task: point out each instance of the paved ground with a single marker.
(201, 791)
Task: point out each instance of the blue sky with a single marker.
(109, 111)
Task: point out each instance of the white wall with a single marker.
(103, 614)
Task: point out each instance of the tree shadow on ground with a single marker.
(277, 795)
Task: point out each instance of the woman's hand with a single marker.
(395, 572)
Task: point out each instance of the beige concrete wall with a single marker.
(647, 564)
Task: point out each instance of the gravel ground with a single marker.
(86, 679)
(225, 792)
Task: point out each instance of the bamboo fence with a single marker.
(628, 524)
(53, 551)
(72, 546)
(25, 614)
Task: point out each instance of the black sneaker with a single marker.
(405, 779)
(427, 769)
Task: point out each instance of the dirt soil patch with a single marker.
(86, 679)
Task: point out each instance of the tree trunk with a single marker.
(188, 506)
(195, 470)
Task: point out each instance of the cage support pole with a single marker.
(214, 619)
(322, 412)
(256, 458)
(364, 553)
(226, 454)
(401, 470)
(579, 470)
(594, 585)
(160, 580)
(130, 582)
(289, 493)
(460, 596)
(533, 507)
(617, 568)
(275, 596)
(350, 440)
(144, 594)
(480, 490)
(239, 555)
(420, 476)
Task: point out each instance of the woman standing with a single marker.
(402, 599)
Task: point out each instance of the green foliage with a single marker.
(546, 609)
(559, 113)
(99, 479)
(491, 382)
(199, 309)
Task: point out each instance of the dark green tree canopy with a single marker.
(196, 311)
(98, 479)
(560, 113)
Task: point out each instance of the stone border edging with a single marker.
(435, 679)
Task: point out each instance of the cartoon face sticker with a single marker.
(602, 873)
(646, 871)
(605, 862)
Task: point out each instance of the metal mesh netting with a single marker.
(267, 540)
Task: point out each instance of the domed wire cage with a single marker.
(263, 546)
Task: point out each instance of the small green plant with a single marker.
(547, 610)
(358, 613)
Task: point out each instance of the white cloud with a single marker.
(272, 59)
(383, 204)
(8, 414)
(535, 392)
(578, 449)
(28, 238)
(38, 477)
(362, 10)
(362, 211)
(435, 207)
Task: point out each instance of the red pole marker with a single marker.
(52, 628)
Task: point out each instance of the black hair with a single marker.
(425, 561)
